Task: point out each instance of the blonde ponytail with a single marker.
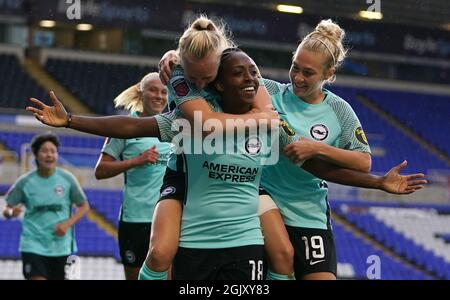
(131, 98)
(202, 37)
(327, 39)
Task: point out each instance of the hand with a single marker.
(395, 183)
(301, 150)
(17, 210)
(12, 212)
(165, 65)
(55, 115)
(61, 228)
(149, 156)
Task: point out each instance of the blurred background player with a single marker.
(143, 162)
(48, 194)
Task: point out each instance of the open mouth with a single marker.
(250, 90)
(301, 87)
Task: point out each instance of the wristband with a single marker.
(69, 120)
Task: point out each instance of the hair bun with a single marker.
(331, 30)
(203, 24)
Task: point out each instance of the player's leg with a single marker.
(133, 244)
(131, 273)
(165, 234)
(278, 247)
(166, 224)
(319, 276)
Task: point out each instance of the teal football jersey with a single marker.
(142, 183)
(222, 187)
(302, 197)
(48, 202)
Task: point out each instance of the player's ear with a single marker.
(330, 73)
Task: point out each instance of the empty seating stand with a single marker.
(96, 84)
(17, 86)
(425, 114)
(413, 233)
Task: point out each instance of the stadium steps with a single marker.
(50, 84)
(377, 245)
(403, 128)
(102, 222)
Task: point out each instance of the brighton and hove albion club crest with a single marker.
(319, 132)
(130, 256)
(253, 145)
(168, 191)
(27, 268)
(181, 87)
(360, 135)
(59, 190)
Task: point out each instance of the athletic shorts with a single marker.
(314, 250)
(134, 239)
(174, 186)
(52, 268)
(239, 263)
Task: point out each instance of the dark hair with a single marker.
(40, 139)
(226, 55)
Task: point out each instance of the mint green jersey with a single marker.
(48, 202)
(302, 197)
(221, 190)
(142, 183)
(180, 90)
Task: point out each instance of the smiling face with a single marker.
(238, 81)
(308, 73)
(154, 97)
(47, 156)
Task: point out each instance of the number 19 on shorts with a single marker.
(314, 247)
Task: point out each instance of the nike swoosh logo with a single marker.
(311, 263)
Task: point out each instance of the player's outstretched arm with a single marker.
(112, 126)
(392, 182)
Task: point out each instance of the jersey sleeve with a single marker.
(165, 121)
(180, 90)
(114, 147)
(352, 134)
(273, 87)
(15, 193)
(77, 194)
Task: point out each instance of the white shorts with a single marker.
(265, 204)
